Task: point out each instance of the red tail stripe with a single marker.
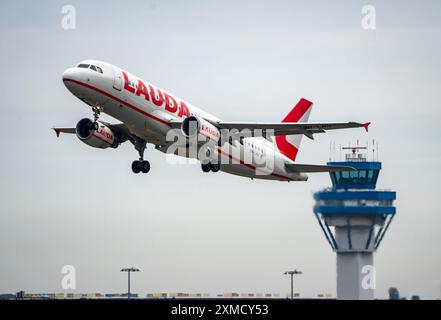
(286, 148)
(298, 111)
(294, 115)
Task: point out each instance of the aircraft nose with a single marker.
(71, 74)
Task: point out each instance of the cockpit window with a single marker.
(90, 66)
(96, 68)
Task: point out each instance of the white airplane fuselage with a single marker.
(147, 112)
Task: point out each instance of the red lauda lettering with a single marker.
(127, 85)
(183, 110)
(157, 100)
(142, 89)
(170, 103)
(157, 97)
(104, 134)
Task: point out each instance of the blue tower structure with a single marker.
(354, 217)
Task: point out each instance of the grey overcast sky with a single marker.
(63, 203)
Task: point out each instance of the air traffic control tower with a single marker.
(354, 217)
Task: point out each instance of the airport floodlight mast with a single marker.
(128, 270)
(292, 273)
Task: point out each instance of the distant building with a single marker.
(7, 296)
(394, 294)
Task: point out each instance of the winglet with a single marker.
(57, 132)
(366, 126)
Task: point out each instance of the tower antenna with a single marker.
(330, 150)
(378, 155)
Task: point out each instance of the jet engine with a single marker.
(194, 126)
(95, 134)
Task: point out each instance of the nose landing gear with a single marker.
(96, 109)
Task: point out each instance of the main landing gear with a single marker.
(210, 166)
(140, 165)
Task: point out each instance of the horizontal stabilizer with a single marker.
(294, 167)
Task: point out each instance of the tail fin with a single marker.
(289, 145)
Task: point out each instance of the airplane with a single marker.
(256, 150)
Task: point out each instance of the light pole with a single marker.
(128, 270)
(292, 273)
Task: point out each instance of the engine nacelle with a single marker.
(192, 126)
(95, 134)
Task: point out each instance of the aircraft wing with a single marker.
(290, 128)
(58, 130)
(294, 167)
(120, 129)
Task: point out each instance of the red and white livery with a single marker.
(149, 115)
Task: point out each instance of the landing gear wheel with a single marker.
(136, 168)
(214, 167)
(145, 166)
(140, 165)
(205, 167)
